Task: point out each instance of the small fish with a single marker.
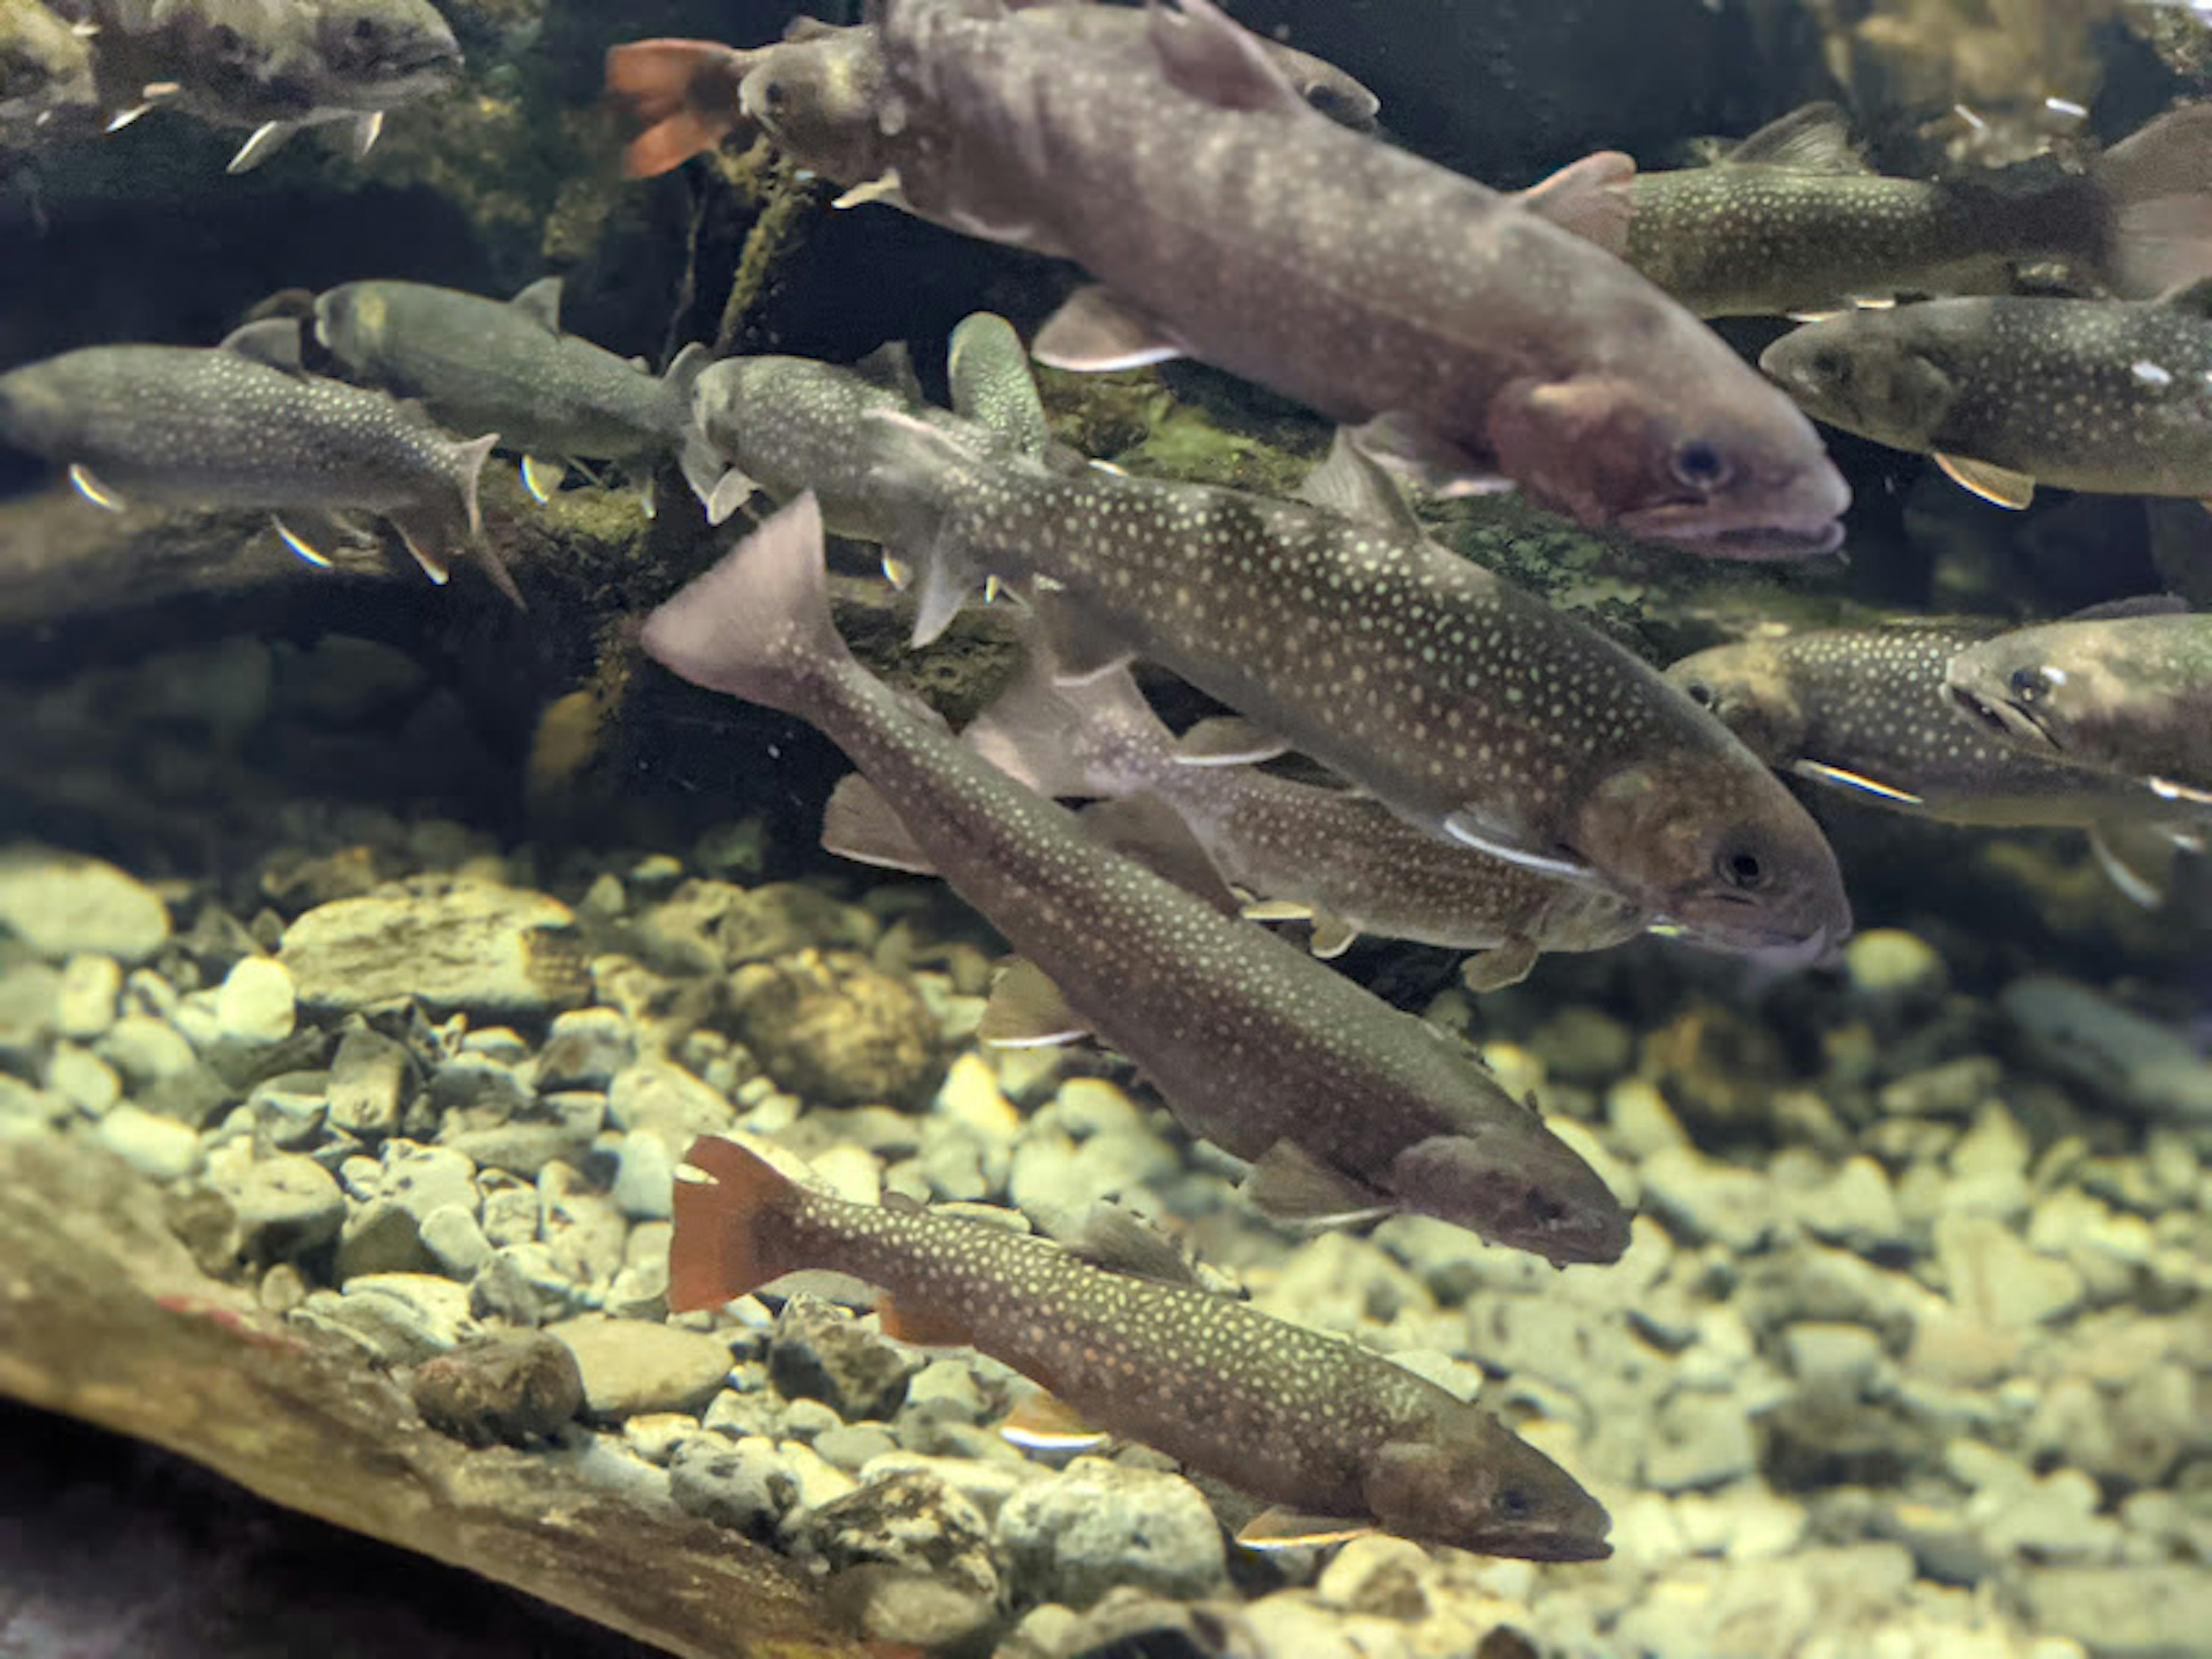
(1792, 220)
(1347, 1106)
(1865, 711)
(1470, 337)
(2130, 694)
(816, 91)
(478, 364)
(46, 82)
(239, 425)
(2008, 393)
(1339, 860)
(278, 66)
(1343, 1441)
(1472, 710)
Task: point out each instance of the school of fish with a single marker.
(1483, 771)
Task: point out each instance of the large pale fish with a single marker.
(1339, 1439)
(1344, 1104)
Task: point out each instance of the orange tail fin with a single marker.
(725, 1206)
(684, 93)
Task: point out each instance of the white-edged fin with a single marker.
(1096, 332)
(885, 191)
(1281, 1529)
(857, 823)
(648, 503)
(947, 580)
(1494, 970)
(123, 117)
(1815, 316)
(1145, 828)
(1815, 138)
(1593, 198)
(2168, 789)
(1042, 1422)
(542, 479)
(1228, 740)
(1276, 910)
(1207, 56)
(425, 550)
(367, 129)
(1289, 1183)
(1858, 783)
(1469, 832)
(2138, 860)
(82, 481)
(1026, 1011)
(890, 365)
(274, 341)
(1999, 485)
(1352, 482)
(541, 303)
(1399, 442)
(266, 139)
(897, 571)
(1332, 936)
(1123, 1242)
(302, 548)
(731, 491)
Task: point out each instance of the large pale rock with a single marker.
(62, 904)
(491, 951)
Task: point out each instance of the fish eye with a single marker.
(775, 95)
(1740, 868)
(1832, 366)
(1698, 465)
(2028, 684)
(1700, 694)
(1514, 1502)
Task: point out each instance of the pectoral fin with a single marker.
(2138, 860)
(1097, 331)
(1081, 651)
(1352, 482)
(1858, 783)
(82, 481)
(1470, 830)
(731, 491)
(1332, 936)
(1289, 1183)
(1279, 1529)
(1121, 1243)
(1026, 1011)
(266, 139)
(1493, 970)
(302, 548)
(857, 823)
(542, 479)
(1593, 198)
(1044, 1422)
(1228, 740)
(884, 190)
(2000, 485)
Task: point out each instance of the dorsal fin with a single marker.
(1145, 828)
(1351, 482)
(2135, 604)
(273, 340)
(541, 303)
(1123, 1242)
(1593, 199)
(890, 365)
(1209, 57)
(1814, 139)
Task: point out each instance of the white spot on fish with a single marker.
(2150, 373)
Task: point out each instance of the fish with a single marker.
(1470, 709)
(2007, 393)
(1865, 711)
(46, 81)
(1792, 220)
(242, 425)
(478, 364)
(1338, 1439)
(1343, 1104)
(2131, 694)
(276, 66)
(1470, 337)
(1336, 859)
(816, 91)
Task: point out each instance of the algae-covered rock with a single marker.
(836, 1031)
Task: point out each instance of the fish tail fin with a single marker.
(683, 92)
(2157, 187)
(1095, 737)
(727, 1203)
(757, 625)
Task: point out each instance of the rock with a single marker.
(1856, 1207)
(455, 1242)
(491, 950)
(631, 1366)
(505, 1389)
(2125, 1613)
(1582, 1045)
(1826, 1354)
(2074, 1032)
(836, 1031)
(585, 1049)
(65, 904)
(254, 1007)
(83, 1078)
(1957, 1088)
(399, 1318)
(749, 1487)
(910, 1557)
(286, 1204)
(819, 1352)
(1700, 1199)
(1101, 1525)
(163, 1073)
(366, 1076)
(2052, 1519)
(853, 1446)
(385, 1235)
(159, 1147)
(645, 1178)
(1895, 969)
(1699, 1440)
(663, 1100)
(86, 1004)
(1994, 1275)
(581, 1229)
(1642, 1121)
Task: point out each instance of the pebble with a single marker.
(83, 1078)
(488, 950)
(1994, 1275)
(749, 1487)
(401, 1318)
(836, 1032)
(631, 1366)
(1099, 1525)
(450, 1233)
(286, 1204)
(1889, 966)
(585, 1049)
(1700, 1199)
(819, 1352)
(663, 1100)
(909, 1557)
(645, 1178)
(90, 987)
(368, 1074)
(2159, 1612)
(158, 1147)
(254, 1007)
(1855, 1207)
(65, 904)
(510, 1388)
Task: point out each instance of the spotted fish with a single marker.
(1472, 709)
(2008, 393)
(1343, 1441)
(1865, 711)
(2131, 694)
(1347, 1104)
(238, 425)
(1793, 221)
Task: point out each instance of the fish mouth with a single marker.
(1564, 1546)
(1761, 543)
(2005, 718)
(1782, 515)
(1765, 942)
